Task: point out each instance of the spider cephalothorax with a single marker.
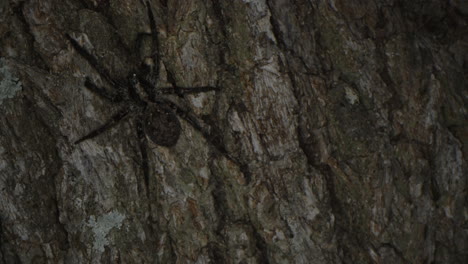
(155, 116)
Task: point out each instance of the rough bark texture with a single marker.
(346, 121)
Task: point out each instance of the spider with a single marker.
(155, 116)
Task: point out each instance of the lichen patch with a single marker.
(102, 227)
(9, 84)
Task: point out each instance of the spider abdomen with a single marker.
(162, 126)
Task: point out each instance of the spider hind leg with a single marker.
(211, 138)
(114, 120)
(143, 144)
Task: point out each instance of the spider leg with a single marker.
(110, 123)
(213, 139)
(101, 92)
(154, 36)
(91, 59)
(186, 90)
(155, 56)
(149, 89)
(143, 143)
(175, 89)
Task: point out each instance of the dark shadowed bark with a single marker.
(266, 131)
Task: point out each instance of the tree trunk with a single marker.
(338, 132)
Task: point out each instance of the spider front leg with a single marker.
(91, 60)
(149, 66)
(101, 92)
(154, 37)
(110, 123)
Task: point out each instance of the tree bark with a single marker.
(338, 133)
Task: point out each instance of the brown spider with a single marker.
(155, 116)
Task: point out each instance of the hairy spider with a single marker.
(155, 116)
